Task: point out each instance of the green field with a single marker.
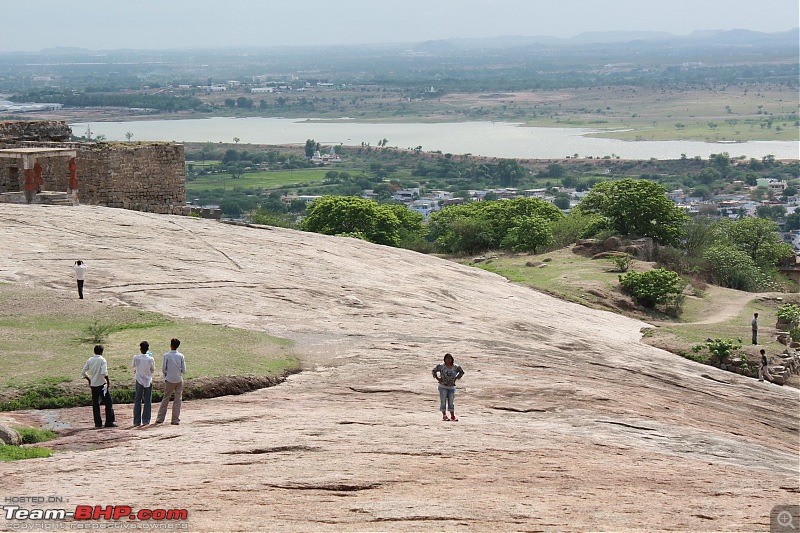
(44, 342)
(570, 277)
(273, 179)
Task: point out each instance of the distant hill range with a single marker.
(735, 37)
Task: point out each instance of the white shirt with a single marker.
(80, 271)
(174, 366)
(144, 365)
(96, 370)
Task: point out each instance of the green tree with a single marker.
(757, 237)
(792, 221)
(509, 172)
(311, 147)
(336, 215)
(637, 207)
(733, 268)
(528, 234)
(490, 222)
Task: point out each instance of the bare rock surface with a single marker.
(567, 421)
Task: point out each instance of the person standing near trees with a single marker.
(173, 367)
(96, 373)
(143, 365)
(754, 325)
(447, 374)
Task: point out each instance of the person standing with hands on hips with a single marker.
(447, 374)
(96, 373)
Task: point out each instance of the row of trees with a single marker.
(740, 254)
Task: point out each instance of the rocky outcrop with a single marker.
(9, 436)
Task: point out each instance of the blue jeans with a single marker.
(141, 413)
(447, 399)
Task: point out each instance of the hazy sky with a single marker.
(110, 24)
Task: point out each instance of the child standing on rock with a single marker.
(447, 374)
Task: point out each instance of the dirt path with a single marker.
(568, 422)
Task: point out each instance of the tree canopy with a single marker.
(350, 215)
(479, 226)
(637, 207)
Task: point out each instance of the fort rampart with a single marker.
(144, 176)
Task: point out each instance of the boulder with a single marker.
(10, 436)
(612, 244)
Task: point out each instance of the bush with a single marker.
(622, 262)
(719, 349)
(97, 333)
(733, 268)
(33, 435)
(651, 288)
(788, 314)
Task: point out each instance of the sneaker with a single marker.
(111, 425)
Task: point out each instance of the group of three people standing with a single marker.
(173, 367)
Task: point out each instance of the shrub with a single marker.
(658, 286)
(97, 333)
(719, 349)
(33, 435)
(788, 314)
(733, 268)
(622, 262)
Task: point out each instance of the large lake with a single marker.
(494, 139)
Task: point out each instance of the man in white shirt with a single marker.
(143, 365)
(80, 274)
(96, 373)
(174, 366)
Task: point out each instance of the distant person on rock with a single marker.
(80, 274)
(447, 374)
(143, 365)
(173, 367)
(96, 373)
(763, 372)
(754, 325)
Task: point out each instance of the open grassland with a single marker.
(272, 179)
(45, 339)
(712, 312)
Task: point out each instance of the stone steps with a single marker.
(43, 198)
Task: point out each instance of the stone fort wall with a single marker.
(144, 176)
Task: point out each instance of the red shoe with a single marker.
(454, 419)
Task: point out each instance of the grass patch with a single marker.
(570, 277)
(34, 435)
(16, 453)
(46, 332)
(272, 179)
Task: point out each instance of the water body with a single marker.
(493, 139)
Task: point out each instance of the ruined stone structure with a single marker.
(144, 176)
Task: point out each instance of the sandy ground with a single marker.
(567, 421)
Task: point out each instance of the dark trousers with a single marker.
(80, 289)
(141, 404)
(755, 336)
(97, 398)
